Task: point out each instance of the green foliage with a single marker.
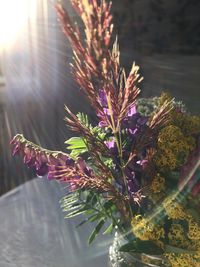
(146, 106)
(108, 162)
(109, 229)
(77, 146)
(98, 133)
(95, 131)
(95, 208)
(176, 250)
(96, 230)
(139, 246)
(83, 118)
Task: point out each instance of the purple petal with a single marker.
(103, 124)
(69, 162)
(42, 170)
(103, 98)
(143, 163)
(83, 167)
(51, 172)
(132, 111)
(110, 144)
(31, 163)
(16, 149)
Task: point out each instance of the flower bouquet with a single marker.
(135, 169)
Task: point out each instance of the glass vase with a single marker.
(128, 259)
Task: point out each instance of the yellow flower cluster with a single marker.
(145, 229)
(183, 260)
(173, 209)
(194, 229)
(176, 140)
(157, 184)
(188, 124)
(190, 240)
(173, 148)
(176, 236)
(180, 238)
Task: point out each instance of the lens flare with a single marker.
(13, 18)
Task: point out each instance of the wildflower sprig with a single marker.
(138, 168)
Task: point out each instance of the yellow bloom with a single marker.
(194, 229)
(176, 235)
(158, 184)
(173, 148)
(173, 209)
(178, 238)
(188, 124)
(145, 229)
(183, 260)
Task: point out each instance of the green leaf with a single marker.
(89, 212)
(77, 146)
(89, 195)
(76, 143)
(108, 230)
(92, 218)
(69, 201)
(83, 118)
(176, 250)
(128, 247)
(76, 212)
(96, 231)
(82, 223)
(108, 205)
(74, 207)
(76, 152)
(96, 217)
(73, 214)
(139, 246)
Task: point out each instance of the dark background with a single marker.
(162, 36)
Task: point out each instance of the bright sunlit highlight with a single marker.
(13, 18)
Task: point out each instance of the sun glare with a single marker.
(13, 18)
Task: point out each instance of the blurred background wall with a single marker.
(162, 36)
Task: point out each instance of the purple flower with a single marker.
(133, 186)
(42, 170)
(133, 173)
(52, 172)
(134, 123)
(112, 146)
(41, 160)
(132, 111)
(103, 99)
(104, 114)
(81, 165)
(57, 166)
(104, 117)
(143, 163)
(17, 146)
(16, 149)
